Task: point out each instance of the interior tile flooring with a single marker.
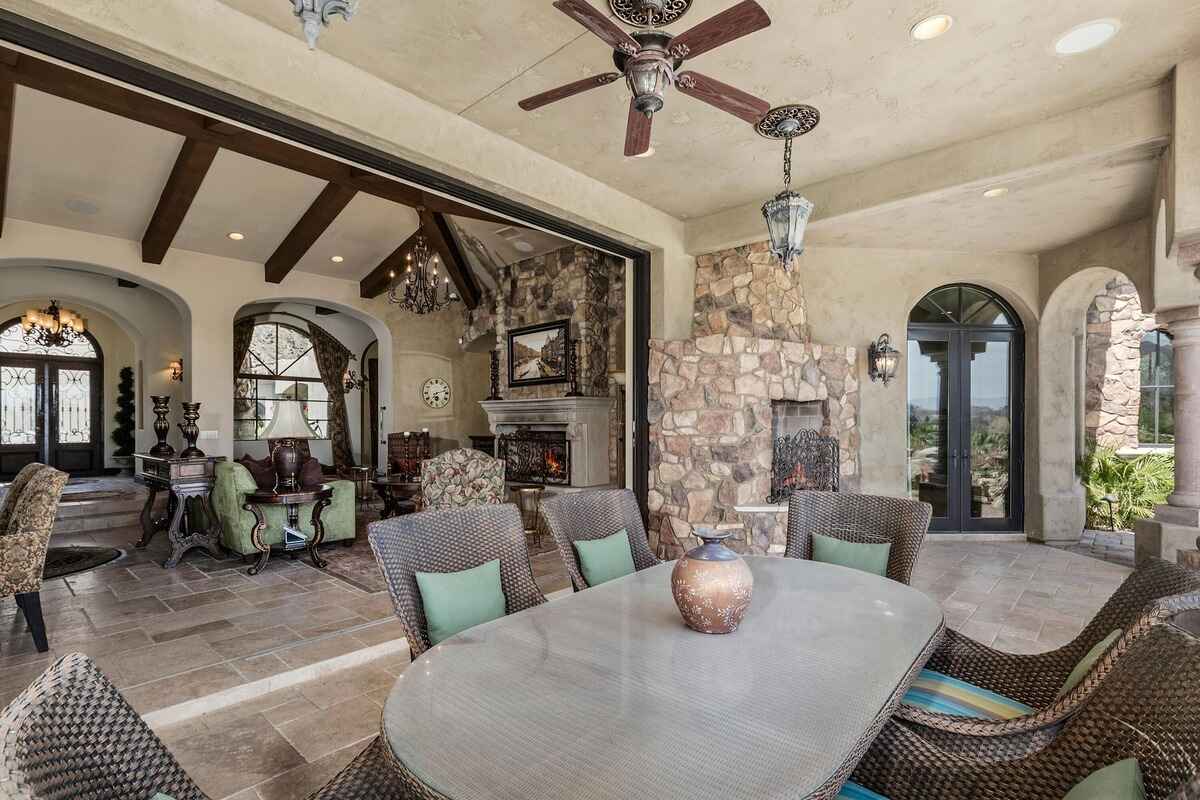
(168, 636)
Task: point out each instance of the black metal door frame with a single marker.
(958, 444)
(81, 53)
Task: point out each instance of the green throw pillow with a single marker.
(604, 559)
(1088, 661)
(872, 558)
(161, 796)
(455, 601)
(1119, 781)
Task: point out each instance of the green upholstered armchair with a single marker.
(234, 482)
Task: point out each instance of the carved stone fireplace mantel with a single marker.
(585, 420)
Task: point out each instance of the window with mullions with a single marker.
(1156, 418)
(279, 368)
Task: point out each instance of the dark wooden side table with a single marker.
(186, 479)
(320, 496)
(399, 495)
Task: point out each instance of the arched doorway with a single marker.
(966, 376)
(50, 404)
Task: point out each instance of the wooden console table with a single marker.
(185, 479)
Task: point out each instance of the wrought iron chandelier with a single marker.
(788, 213)
(315, 15)
(422, 290)
(52, 326)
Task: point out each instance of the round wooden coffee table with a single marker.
(320, 496)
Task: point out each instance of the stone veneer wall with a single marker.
(710, 429)
(1115, 327)
(743, 292)
(575, 283)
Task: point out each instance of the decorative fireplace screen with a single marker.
(535, 456)
(804, 460)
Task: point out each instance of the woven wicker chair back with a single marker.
(450, 541)
(859, 518)
(71, 734)
(583, 516)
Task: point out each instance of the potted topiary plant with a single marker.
(122, 434)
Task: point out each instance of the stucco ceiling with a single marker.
(75, 167)
(882, 96)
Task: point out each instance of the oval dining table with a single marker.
(606, 694)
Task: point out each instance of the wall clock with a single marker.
(436, 393)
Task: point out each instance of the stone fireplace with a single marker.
(719, 401)
(541, 433)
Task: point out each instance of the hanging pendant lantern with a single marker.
(788, 213)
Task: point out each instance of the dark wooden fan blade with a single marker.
(567, 90)
(637, 132)
(723, 96)
(586, 15)
(732, 23)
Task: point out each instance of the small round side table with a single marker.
(320, 496)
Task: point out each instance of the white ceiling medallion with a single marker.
(315, 15)
(1087, 36)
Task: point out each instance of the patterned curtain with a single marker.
(243, 332)
(332, 360)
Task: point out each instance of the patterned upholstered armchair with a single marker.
(24, 539)
(859, 518)
(14, 491)
(595, 515)
(451, 540)
(1147, 709)
(71, 734)
(461, 478)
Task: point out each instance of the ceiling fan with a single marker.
(650, 61)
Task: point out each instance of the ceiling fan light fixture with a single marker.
(648, 78)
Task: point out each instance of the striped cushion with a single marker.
(942, 694)
(852, 791)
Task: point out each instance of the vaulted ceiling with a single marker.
(882, 95)
(75, 166)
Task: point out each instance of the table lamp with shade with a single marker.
(287, 426)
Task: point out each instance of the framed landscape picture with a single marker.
(537, 354)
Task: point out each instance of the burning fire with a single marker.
(553, 465)
(798, 477)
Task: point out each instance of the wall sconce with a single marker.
(882, 359)
(176, 368)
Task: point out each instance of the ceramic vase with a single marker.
(190, 430)
(162, 407)
(712, 585)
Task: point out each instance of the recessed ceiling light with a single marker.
(931, 27)
(336, 259)
(649, 152)
(522, 246)
(237, 237)
(1087, 36)
(998, 191)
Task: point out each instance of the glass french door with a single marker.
(965, 386)
(50, 412)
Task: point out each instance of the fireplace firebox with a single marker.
(803, 457)
(534, 456)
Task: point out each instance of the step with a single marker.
(69, 508)
(97, 522)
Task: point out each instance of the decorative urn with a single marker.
(712, 585)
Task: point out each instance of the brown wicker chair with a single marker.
(583, 516)
(859, 518)
(71, 734)
(1014, 737)
(1148, 709)
(1152, 593)
(449, 541)
(23, 544)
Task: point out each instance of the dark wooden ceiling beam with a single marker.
(115, 99)
(380, 278)
(7, 93)
(441, 239)
(332, 200)
(191, 166)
